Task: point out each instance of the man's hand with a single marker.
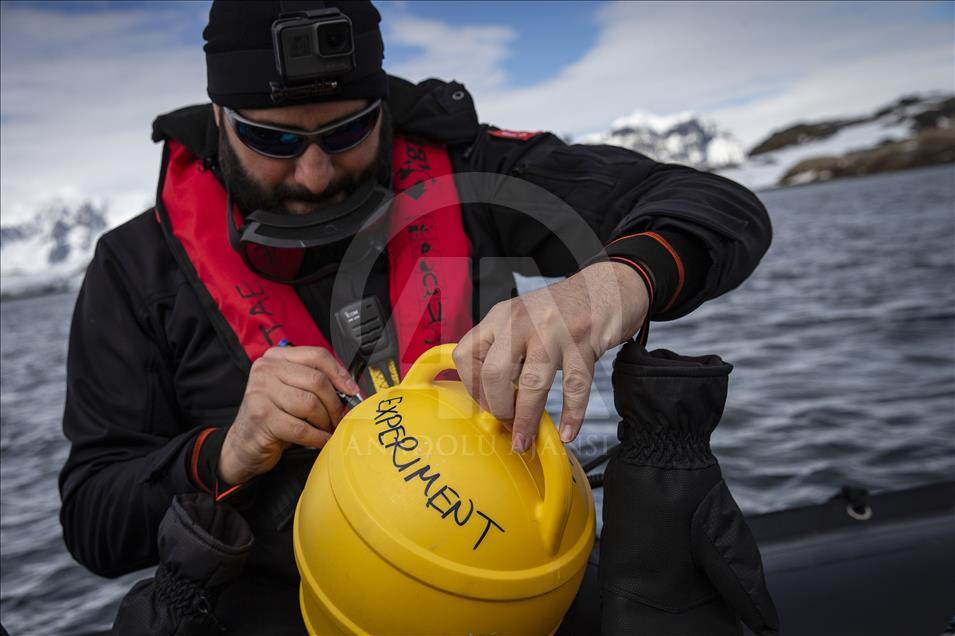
(289, 399)
(523, 341)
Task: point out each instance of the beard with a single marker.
(250, 196)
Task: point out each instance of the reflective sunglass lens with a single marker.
(267, 141)
(350, 134)
(287, 145)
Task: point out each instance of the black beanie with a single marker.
(240, 59)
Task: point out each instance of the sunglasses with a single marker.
(288, 143)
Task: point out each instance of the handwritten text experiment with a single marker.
(444, 500)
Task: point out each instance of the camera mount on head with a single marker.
(314, 49)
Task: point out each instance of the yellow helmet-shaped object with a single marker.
(417, 518)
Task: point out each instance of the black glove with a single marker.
(202, 546)
(676, 555)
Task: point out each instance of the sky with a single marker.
(80, 82)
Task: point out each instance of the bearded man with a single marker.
(274, 225)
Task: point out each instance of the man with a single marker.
(179, 377)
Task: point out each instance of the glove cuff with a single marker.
(669, 405)
(203, 541)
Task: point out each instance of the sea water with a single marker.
(843, 343)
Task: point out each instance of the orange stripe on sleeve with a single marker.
(681, 274)
(222, 495)
(195, 458)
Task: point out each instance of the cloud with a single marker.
(79, 93)
(854, 87)
(753, 66)
(786, 60)
(80, 88)
(472, 54)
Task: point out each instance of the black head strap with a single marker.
(287, 7)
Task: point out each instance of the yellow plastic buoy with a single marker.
(417, 518)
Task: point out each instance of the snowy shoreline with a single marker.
(49, 253)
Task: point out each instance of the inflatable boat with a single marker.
(856, 564)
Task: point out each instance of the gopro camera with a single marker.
(314, 48)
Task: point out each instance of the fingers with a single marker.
(289, 428)
(308, 381)
(578, 377)
(499, 371)
(317, 358)
(303, 382)
(505, 364)
(301, 404)
(290, 398)
(469, 355)
(536, 378)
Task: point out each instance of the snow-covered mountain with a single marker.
(683, 138)
(51, 250)
(911, 131)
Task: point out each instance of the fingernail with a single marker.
(566, 435)
(518, 443)
(352, 385)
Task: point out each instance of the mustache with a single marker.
(346, 185)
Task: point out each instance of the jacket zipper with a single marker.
(524, 169)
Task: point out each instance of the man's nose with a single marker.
(314, 169)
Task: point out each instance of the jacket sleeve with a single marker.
(699, 235)
(129, 455)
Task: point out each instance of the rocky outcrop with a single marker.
(928, 147)
(921, 113)
(910, 132)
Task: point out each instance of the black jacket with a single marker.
(147, 369)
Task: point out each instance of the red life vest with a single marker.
(428, 256)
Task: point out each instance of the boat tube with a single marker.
(857, 564)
